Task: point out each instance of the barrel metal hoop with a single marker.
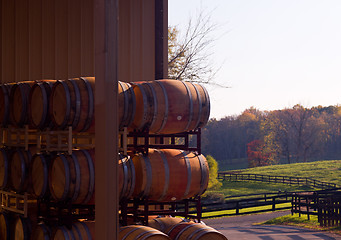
(91, 176)
(23, 171)
(149, 173)
(131, 231)
(77, 116)
(45, 106)
(5, 167)
(78, 177)
(204, 174)
(145, 107)
(200, 106)
(125, 176)
(126, 103)
(91, 106)
(208, 230)
(5, 91)
(189, 94)
(133, 179)
(43, 160)
(165, 117)
(87, 230)
(24, 89)
(68, 104)
(77, 230)
(155, 105)
(166, 167)
(182, 230)
(208, 106)
(67, 177)
(133, 105)
(145, 235)
(189, 173)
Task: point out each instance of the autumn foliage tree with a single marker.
(258, 154)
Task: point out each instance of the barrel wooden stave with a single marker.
(170, 106)
(5, 226)
(41, 232)
(137, 232)
(72, 104)
(126, 103)
(170, 174)
(126, 177)
(164, 223)
(19, 103)
(39, 99)
(19, 165)
(22, 228)
(194, 231)
(5, 168)
(72, 178)
(5, 90)
(39, 174)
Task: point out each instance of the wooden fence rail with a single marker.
(325, 204)
(301, 181)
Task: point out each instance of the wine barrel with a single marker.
(126, 103)
(19, 103)
(72, 177)
(63, 233)
(39, 174)
(83, 230)
(22, 228)
(194, 231)
(38, 108)
(137, 232)
(170, 174)
(4, 168)
(170, 106)
(5, 226)
(164, 223)
(19, 165)
(126, 177)
(5, 104)
(41, 232)
(72, 104)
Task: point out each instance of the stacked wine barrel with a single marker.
(158, 107)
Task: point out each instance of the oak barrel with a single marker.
(5, 104)
(164, 223)
(19, 103)
(38, 108)
(137, 232)
(19, 165)
(39, 174)
(5, 226)
(126, 177)
(170, 174)
(170, 106)
(72, 104)
(72, 177)
(22, 228)
(126, 103)
(4, 168)
(41, 232)
(194, 231)
(78, 231)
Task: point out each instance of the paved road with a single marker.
(241, 228)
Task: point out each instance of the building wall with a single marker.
(54, 39)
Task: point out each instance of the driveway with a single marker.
(242, 228)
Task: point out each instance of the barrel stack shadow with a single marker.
(51, 194)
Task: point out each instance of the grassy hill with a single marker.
(327, 171)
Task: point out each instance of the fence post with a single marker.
(273, 203)
(237, 208)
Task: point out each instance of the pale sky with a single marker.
(275, 53)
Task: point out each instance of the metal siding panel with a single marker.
(87, 38)
(148, 40)
(61, 50)
(8, 43)
(74, 38)
(35, 39)
(21, 40)
(48, 39)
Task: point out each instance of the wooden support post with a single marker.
(106, 52)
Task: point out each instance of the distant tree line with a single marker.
(290, 135)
